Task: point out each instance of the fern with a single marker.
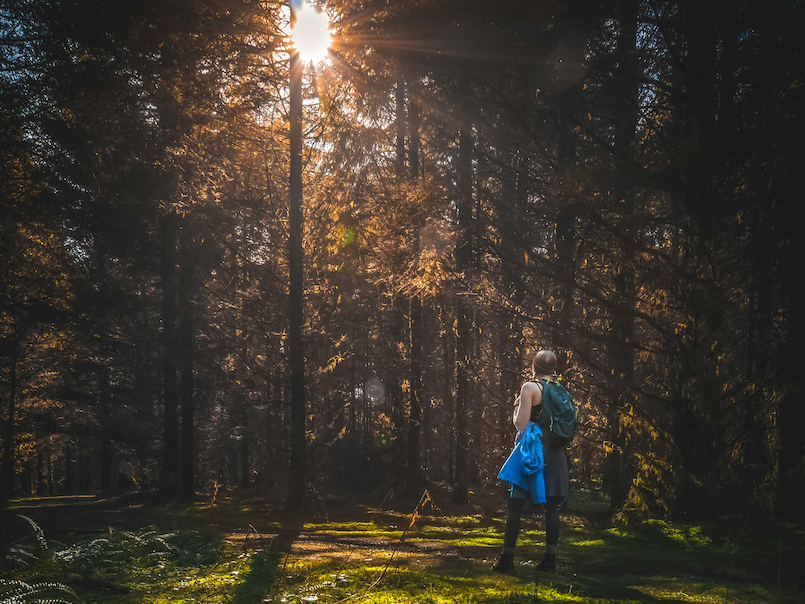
(19, 592)
(18, 556)
(43, 592)
(38, 532)
(97, 557)
(147, 549)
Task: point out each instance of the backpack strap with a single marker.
(536, 412)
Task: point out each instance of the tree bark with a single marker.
(464, 263)
(791, 482)
(68, 469)
(186, 349)
(169, 483)
(106, 464)
(413, 464)
(297, 485)
(412, 479)
(697, 438)
(401, 125)
(40, 472)
(448, 352)
(791, 413)
(7, 469)
(617, 462)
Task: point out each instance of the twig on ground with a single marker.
(422, 501)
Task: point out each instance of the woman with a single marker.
(555, 473)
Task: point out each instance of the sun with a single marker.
(311, 33)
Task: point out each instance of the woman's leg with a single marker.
(514, 512)
(552, 525)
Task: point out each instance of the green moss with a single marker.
(682, 535)
(589, 542)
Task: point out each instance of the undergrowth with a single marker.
(443, 559)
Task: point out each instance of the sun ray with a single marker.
(311, 33)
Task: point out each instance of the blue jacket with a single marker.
(525, 464)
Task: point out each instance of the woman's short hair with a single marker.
(544, 362)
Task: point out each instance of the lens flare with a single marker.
(311, 33)
(375, 390)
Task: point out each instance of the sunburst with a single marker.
(311, 33)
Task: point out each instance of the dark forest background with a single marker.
(615, 180)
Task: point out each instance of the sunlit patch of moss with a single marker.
(388, 535)
(466, 541)
(535, 537)
(588, 542)
(463, 521)
(459, 531)
(685, 535)
(474, 537)
(438, 530)
(618, 532)
(449, 533)
(350, 527)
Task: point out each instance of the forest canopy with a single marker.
(612, 180)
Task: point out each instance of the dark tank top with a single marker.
(536, 412)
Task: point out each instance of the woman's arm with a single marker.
(530, 396)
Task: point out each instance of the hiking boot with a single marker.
(505, 564)
(548, 562)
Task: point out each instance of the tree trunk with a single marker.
(25, 478)
(791, 415)
(412, 479)
(448, 399)
(169, 484)
(7, 469)
(352, 402)
(399, 97)
(696, 436)
(759, 327)
(68, 469)
(297, 484)
(622, 357)
(49, 453)
(395, 392)
(106, 464)
(464, 263)
(186, 307)
(40, 472)
(414, 124)
(565, 224)
(82, 466)
(413, 464)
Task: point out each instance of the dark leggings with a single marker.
(514, 513)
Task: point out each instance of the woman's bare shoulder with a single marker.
(532, 392)
(531, 387)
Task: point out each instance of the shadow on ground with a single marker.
(260, 579)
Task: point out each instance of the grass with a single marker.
(197, 553)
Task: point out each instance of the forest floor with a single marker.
(242, 550)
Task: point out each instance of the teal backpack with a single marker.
(559, 416)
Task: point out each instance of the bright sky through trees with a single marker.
(311, 33)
